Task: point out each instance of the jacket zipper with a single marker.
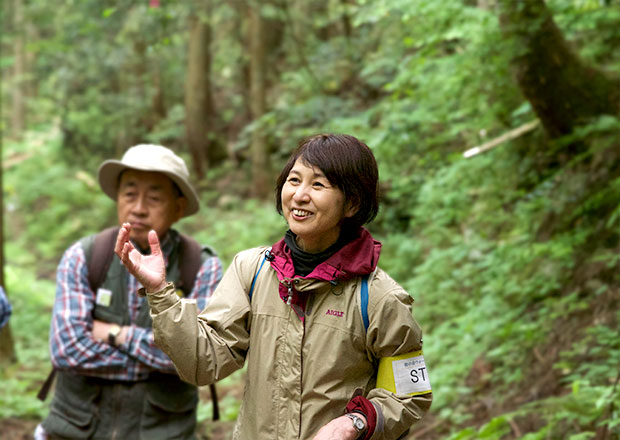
(301, 375)
(289, 286)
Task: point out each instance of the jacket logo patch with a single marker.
(337, 313)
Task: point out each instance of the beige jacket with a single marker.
(299, 375)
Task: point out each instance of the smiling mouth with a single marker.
(300, 212)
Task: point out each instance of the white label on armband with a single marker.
(104, 297)
(410, 375)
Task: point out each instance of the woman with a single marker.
(323, 362)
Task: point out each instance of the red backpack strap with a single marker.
(99, 256)
(190, 260)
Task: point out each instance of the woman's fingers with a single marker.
(122, 238)
(154, 243)
(148, 269)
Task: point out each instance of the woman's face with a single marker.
(313, 208)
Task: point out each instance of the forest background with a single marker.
(512, 252)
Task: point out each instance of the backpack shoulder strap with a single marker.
(99, 252)
(365, 297)
(190, 261)
(265, 258)
(364, 301)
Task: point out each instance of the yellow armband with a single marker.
(404, 374)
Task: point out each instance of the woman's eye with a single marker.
(319, 185)
(293, 180)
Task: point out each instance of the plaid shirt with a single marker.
(72, 346)
(5, 308)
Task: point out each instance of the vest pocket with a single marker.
(73, 409)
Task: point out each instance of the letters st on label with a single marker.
(411, 376)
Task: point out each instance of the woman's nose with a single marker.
(301, 194)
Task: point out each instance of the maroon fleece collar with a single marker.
(356, 258)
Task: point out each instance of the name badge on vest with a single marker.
(104, 297)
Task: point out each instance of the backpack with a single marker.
(99, 253)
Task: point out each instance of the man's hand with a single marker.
(101, 331)
(150, 270)
(340, 428)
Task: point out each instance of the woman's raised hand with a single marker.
(149, 270)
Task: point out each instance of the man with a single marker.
(113, 381)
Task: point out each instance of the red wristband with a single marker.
(363, 406)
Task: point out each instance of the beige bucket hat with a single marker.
(148, 157)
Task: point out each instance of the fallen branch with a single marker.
(515, 428)
(422, 432)
(512, 134)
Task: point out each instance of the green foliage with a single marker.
(226, 227)
(49, 205)
(32, 301)
(228, 404)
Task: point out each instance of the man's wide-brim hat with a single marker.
(147, 157)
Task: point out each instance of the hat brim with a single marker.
(110, 170)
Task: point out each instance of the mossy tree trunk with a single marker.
(199, 107)
(18, 112)
(563, 90)
(259, 148)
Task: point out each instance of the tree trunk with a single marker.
(199, 107)
(18, 114)
(346, 20)
(7, 347)
(261, 185)
(564, 92)
(158, 103)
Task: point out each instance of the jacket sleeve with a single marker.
(140, 344)
(208, 346)
(71, 342)
(393, 332)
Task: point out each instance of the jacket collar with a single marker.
(357, 257)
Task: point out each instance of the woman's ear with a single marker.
(350, 209)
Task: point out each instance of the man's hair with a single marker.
(348, 164)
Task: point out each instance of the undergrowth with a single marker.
(516, 286)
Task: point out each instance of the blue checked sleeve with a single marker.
(5, 308)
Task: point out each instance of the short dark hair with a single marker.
(348, 164)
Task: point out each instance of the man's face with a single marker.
(148, 200)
